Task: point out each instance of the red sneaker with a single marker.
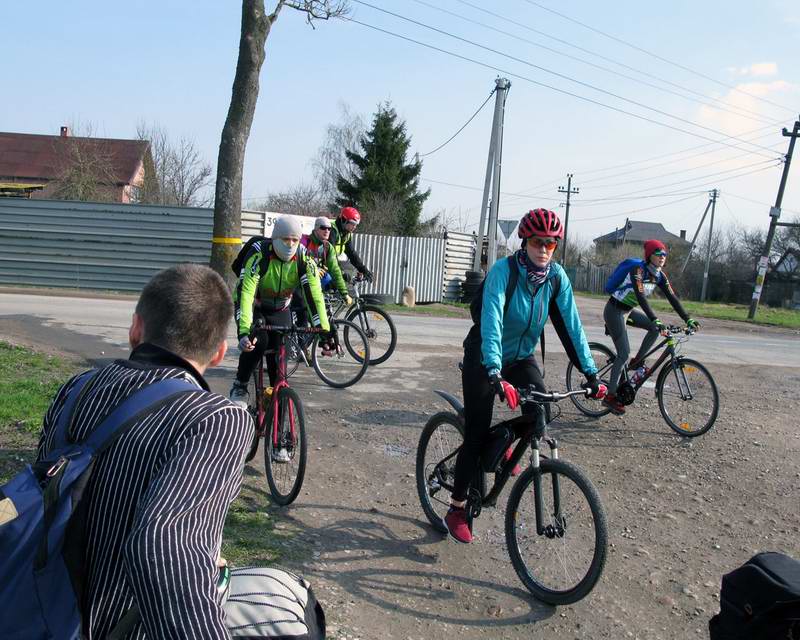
(610, 401)
(457, 526)
(517, 469)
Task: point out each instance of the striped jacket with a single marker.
(157, 500)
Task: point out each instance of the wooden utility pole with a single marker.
(714, 194)
(569, 191)
(775, 214)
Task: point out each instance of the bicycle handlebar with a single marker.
(279, 328)
(529, 394)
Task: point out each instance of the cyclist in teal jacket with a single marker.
(499, 349)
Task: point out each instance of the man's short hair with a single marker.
(186, 309)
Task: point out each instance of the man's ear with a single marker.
(220, 354)
(136, 331)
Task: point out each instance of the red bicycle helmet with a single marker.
(350, 214)
(542, 223)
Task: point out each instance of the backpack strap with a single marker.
(65, 418)
(266, 247)
(146, 400)
(555, 289)
(511, 285)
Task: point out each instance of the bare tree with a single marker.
(256, 25)
(453, 219)
(301, 200)
(331, 159)
(85, 167)
(178, 175)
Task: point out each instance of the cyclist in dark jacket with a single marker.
(502, 345)
(633, 290)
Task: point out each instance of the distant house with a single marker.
(117, 167)
(788, 266)
(635, 232)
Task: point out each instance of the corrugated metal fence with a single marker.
(119, 247)
(86, 245)
(458, 255)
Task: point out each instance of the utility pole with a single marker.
(775, 214)
(493, 164)
(696, 233)
(569, 191)
(714, 194)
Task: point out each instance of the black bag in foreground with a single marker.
(760, 600)
(271, 603)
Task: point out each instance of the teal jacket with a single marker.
(507, 339)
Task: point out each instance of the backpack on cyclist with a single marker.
(42, 519)
(253, 245)
(760, 599)
(618, 275)
(272, 603)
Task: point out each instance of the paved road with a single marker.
(109, 321)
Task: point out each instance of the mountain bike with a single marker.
(279, 419)
(555, 524)
(339, 358)
(687, 394)
(374, 321)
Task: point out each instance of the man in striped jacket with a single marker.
(157, 499)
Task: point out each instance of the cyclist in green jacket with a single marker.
(266, 282)
(341, 238)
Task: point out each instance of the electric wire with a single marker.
(706, 102)
(559, 75)
(658, 57)
(632, 211)
(472, 117)
(598, 55)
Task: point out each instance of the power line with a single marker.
(632, 211)
(658, 57)
(422, 155)
(504, 193)
(764, 204)
(593, 64)
(557, 74)
(600, 56)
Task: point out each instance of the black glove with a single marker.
(592, 384)
(368, 276)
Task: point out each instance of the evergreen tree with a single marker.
(384, 187)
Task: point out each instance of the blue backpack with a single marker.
(41, 544)
(618, 275)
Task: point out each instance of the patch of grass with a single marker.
(449, 310)
(253, 535)
(787, 318)
(28, 382)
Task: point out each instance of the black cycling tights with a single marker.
(478, 408)
(249, 359)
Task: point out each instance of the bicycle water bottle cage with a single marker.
(626, 393)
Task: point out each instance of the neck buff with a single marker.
(536, 274)
(283, 250)
(653, 268)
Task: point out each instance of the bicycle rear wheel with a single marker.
(441, 437)
(563, 564)
(285, 461)
(379, 328)
(603, 357)
(687, 397)
(349, 362)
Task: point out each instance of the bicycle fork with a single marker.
(557, 527)
(683, 384)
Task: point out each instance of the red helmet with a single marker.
(651, 246)
(542, 223)
(350, 214)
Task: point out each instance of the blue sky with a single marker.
(172, 63)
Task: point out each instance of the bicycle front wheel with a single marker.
(345, 364)
(441, 437)
(293, 353)
(687, 397)
(603, 357)
(379, 328)
(285, 451)
(563, 563)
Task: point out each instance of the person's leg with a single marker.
(615, 323)
(641, 321)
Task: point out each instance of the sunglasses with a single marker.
(548, 243)
(351, 222)
(324, 228)
(660, 253)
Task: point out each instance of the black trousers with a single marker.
(479, 406)
(249, 359)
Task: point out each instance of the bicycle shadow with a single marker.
(369, 536)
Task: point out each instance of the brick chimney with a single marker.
(683, 234)
(65, 132)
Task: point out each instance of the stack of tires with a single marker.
(470, 285)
